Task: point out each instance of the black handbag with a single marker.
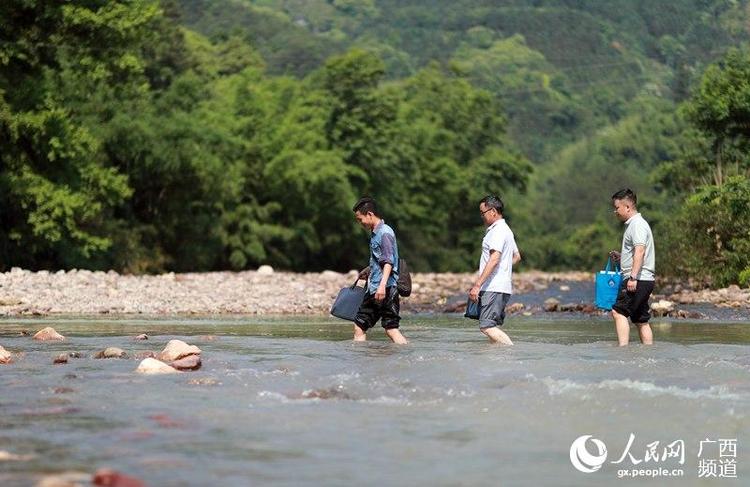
(472, 309)
(348, 301)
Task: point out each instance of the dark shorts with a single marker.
(492, 309)
(634, 305)
(371, 311)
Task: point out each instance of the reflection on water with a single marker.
(294, 401)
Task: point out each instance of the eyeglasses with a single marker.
(485, 211)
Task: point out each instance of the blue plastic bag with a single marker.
(607, 286)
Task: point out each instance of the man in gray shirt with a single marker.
(638, 265)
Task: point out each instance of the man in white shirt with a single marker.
(638, 265)
(493, 287)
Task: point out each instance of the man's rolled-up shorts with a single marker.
(370, 311)
(492, 309)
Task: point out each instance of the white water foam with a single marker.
(381, 400)
(563, 386)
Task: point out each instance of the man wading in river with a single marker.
(638, 264)
(381, 299)
(493, 287)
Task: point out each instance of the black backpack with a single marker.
(403, 284)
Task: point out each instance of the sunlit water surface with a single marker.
(292, 401)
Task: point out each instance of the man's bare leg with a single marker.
(644, 331)
(396, 337)
(359, 334)
(622, 326)
(497, 335)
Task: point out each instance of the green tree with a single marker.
(576, 188)
(542, 112)
(450, 142)
(361, 114)
(711, 240)
(714, 234)
(721, 109)
(57, 192)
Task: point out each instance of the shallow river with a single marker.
(291, 401)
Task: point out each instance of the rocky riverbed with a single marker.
(265, 292)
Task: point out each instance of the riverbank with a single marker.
(265, 292)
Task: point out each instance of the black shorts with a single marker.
(634, 305)
(371, 311)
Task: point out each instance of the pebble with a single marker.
(47, 334)
(5, 356)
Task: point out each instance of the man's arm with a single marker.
(638, 254)
(491, 264)
(380, 293)
(386, 259)
(516, 255)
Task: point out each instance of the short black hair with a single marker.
(492, 201)
(366, 204)
(626, 194)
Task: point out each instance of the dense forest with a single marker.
(194, 135)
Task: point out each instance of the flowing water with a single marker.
(292, 401)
